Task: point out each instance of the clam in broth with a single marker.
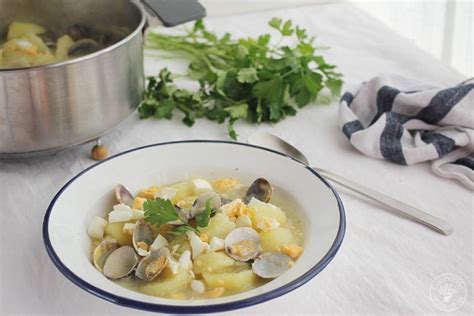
(195, 239)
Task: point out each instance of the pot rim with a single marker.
(107, 49)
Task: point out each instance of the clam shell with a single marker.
(102, 252)
(271, 265)
(153, 264)
(142, 238)
(123, 195)
(200, 203)
(260, 189)
(243, 244)
(120, 263)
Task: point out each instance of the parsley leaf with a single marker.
(160, 211)
(202, 219)
(179, 230)
(247, 75)
(250, 79)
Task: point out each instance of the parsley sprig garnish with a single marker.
(244, 78)
(160, 211)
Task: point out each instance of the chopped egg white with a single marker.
(173, 265)
(216, 244)
(174, 249)
(137, 214)
(197, 245)
(128, 228)
(185, 260)
(198, 286)
(201, 186)
(97, 227)
(158, 243)
(234, 209)
(122, 208)
(166, 193)
(120, 216)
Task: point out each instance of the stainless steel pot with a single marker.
(46, 108)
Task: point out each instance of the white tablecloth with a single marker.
(386, 263)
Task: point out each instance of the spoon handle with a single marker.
(411, 212)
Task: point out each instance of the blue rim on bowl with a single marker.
(179, 309)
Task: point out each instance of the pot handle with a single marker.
(175, 12)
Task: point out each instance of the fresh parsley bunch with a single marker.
(245, 78)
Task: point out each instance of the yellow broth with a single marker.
(220, 274)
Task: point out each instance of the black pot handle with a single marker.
(175, 12)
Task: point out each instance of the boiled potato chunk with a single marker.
(183, 243)
(167, 283)
(212, 262)
(219, 226)
(259, 210)
(275, 239)
(234, 281)
(13, 58)
(185, 189)
(29, 50)
(63, 45)
(114, 230)
(38, 42)
(44, 59)
(19, 29)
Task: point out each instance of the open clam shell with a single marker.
(153, 264)
(123, 195)
(243, 244)
(142, 238)
(271, 265)
(260, 189)
(199, 204)
(120, 263)
(102, 252)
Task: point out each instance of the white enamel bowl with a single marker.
(89, 193)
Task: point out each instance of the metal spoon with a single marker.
(271, 141)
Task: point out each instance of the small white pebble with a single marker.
(158, 243)
(198, 286)
(216, 244)
(96, 227)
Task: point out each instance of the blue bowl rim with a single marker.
(211, 308)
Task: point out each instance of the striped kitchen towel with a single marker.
(406, 122)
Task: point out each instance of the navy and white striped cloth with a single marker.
(406, 122)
